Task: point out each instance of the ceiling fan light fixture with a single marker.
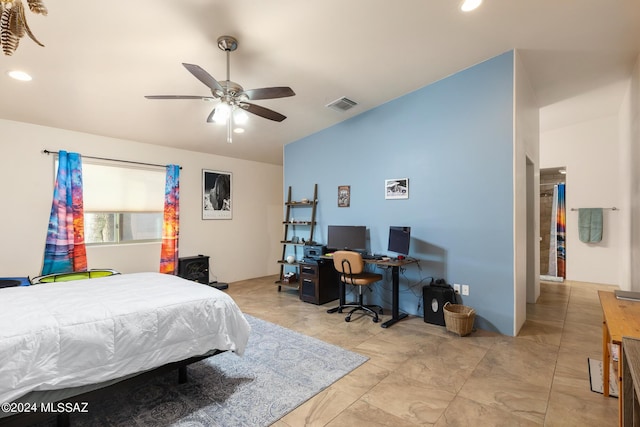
(469, 5)
(221, 114)
(240, 116)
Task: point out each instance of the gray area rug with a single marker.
(279, 371)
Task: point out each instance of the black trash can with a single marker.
(434, 297)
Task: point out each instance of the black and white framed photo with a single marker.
(344, 196)
(397, 188)
(216, 194)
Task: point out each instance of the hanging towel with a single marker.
(590, 225)
(584, 224)
(596, 225)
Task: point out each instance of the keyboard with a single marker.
(372, 257)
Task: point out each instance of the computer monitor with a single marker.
(399, 238)
(349, 237)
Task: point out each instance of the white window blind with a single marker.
(109, 188)
(122, 204)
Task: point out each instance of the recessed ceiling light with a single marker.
(469, 5)
(238, 130)
(19, 75)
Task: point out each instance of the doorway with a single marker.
(553, 250)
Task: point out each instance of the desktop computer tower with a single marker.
(434, 298)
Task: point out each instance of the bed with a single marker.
(67, 335)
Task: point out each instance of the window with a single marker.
(122, 227)
(122, 204)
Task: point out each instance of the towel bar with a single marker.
(611, 209)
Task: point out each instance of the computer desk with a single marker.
(395, 265)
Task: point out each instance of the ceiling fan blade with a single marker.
(263, 112)
(204, 77)
(269, 92)
(204, 98)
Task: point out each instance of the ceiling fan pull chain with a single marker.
(230, 125)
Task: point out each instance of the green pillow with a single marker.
(76, 275)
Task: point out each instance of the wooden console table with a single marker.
(620, 318)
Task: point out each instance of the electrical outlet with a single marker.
(465, 290)
(456, 288)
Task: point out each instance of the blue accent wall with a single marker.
(453, 139)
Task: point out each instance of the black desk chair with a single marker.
(350, 267)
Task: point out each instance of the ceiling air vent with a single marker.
(342, 104)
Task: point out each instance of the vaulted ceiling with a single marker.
(101, 58)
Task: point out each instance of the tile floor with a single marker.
(419, 374)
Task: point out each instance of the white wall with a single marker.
(526, 223)
(625, 169)
(590, 152)
(246, 246)
(630, 132)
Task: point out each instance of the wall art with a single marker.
(216, 195)
(397, 188)
(344, 196)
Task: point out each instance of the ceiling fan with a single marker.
(231, 96)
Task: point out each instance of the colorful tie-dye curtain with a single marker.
(169, 251)
(65, 249)
(557, 249)
(561, 224)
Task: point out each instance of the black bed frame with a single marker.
(63, 419)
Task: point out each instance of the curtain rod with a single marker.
(610, 209)
(45, 151)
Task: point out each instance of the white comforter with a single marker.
(69, 334)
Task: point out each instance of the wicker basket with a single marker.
(459, 318)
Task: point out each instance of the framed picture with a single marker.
(216, 194)
(397, 188)
(344, 196)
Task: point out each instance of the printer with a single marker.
(314, 252)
